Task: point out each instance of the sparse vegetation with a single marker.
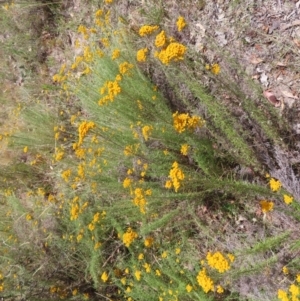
(135, 167)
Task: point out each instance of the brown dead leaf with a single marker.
(258, 47)
(256, 60)
(297, 42)
(281, 64)
(271, 98)
(289, 94)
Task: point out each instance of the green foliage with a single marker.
(127, 190)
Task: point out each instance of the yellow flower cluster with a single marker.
(181, 122)
(83, 129)
(104, 277)
(275, 185)
(214, 68)
(219, 262)
(148, 242)
(294, 291)
(76, 209)
(176, 176)
(266, 206)
(180, 23)
(140, 198)
(147, 30)
(61, 76)
(66, 174)
(160, 39)
(125, 67)
(115, 54)
(141, 55)
(111, 89)
(146, 131)
(205, 281)
(129, 237)
(287, 199)
(184, 149)
(173, 52)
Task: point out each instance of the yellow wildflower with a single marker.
(181, 122)
(157, 273)
(220, 289)
(174, 52)
(127, 182)
(79, 237)
(91, 226)
(282, 295)
(164, 254)
(74, 212)
(285, 270)
(137, 275)
(25, 149)
(148, 242)
(141, 55)
(28, 217)
(104, 277)
(129, 237)
(116, 54)
(125, 67)
(147, 30)
(141, 256)
(266, 206)
(59, 154)
(215, 69)
(184, 149)
(275, 185)
(147, 267)
(99, 13)
(180, 23)
(287, 199)
(217, 261)
(83, 129)
(160, 39)
(146, 131)
(176, 176)
(97, 245)
(205, 281)
(189, 288)
(294, 290)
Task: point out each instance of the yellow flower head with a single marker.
(174, 52)
(275, 185)
(116, 54)
(215, 69)
(180, 23)
(287, 199)
(285, 270)
(218, 261)
(266, 206)
(104, 277)
(125, 67)
(141, 55)
(205, 281)
(129, 237)
(146, 131)
(160, 39)
(148, 242)
(138, 275)
(184, 149)
(147, 30)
